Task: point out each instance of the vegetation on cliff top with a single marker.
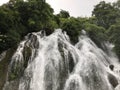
(19, 17)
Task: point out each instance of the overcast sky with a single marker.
(74, 7)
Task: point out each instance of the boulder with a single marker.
(113, 80)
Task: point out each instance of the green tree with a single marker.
(20, 17)
(72, 27)
(105, 14)
(96, 33)
(114, 37)
(63, 14)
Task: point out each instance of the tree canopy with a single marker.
(20, 17)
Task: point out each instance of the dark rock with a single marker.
(113, 80)
(4, 66)
(12, 85)
(111, 67)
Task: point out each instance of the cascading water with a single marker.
(52, 63)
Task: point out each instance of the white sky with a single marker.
(74, 7)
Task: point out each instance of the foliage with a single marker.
(96, 33)
(114, 33)
(105, 13)
(19, 17)
(63, 14)
(72, 27)
(108, 16)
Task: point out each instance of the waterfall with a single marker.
(52, 63)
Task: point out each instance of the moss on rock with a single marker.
(4, 66)
(27, 52)
(17, 69)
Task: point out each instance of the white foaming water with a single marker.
(53, 63)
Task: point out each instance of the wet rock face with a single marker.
(111, 67)
(5, 60)
(13, 85)
(113, 80)
(2, 55)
